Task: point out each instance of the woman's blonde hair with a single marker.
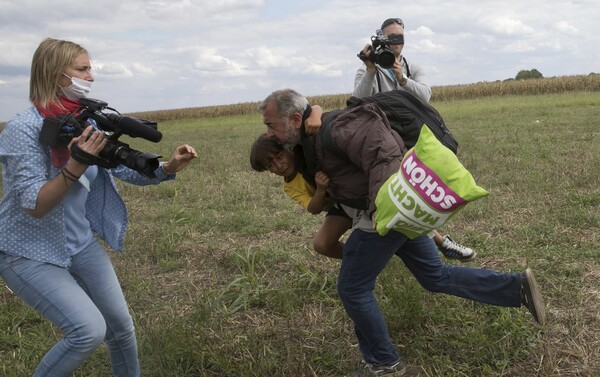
(50, 60)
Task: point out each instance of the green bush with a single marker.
(531, 74)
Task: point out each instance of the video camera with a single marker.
(381, 53)
(58, 132)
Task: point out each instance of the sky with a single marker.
(170, 54)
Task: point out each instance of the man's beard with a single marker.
(292, 136)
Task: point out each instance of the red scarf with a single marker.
(59, 155)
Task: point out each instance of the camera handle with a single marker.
(82, 156)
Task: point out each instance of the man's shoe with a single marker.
(531, 297)
(453, 250)
(369, 370)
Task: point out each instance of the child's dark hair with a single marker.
(262, 152)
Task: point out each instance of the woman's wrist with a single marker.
(166, 167)
(75, 168)
(70, 175)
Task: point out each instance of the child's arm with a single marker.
(313, 122)
(318, 202)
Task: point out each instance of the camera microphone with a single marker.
(135, 128)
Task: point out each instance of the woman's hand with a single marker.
(91, 141)
(181, 158)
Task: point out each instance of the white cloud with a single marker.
(323, 70)
(422, 30)
(210, 62)
(111, 70)
(222, 88)
(552, 45)
(16, 50)
(517, 47)
(265, 57)
(142, 69)
(565, 27)
(427, 45)
(506, 26)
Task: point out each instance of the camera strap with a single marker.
(406, 65)
(378, 78)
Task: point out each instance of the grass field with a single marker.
(221, 279)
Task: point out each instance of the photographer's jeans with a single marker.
(365, 256)
(84, 301)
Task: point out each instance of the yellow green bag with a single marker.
(430, 187)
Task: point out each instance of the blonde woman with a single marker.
(53, 209)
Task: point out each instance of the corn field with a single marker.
(586, 83)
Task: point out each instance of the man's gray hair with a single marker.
(288, 101)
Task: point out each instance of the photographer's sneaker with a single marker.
(454, 250)
(531, 297)
(369, 370)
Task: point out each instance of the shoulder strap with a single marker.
(327, 143)
(406, 65)
(301, 162)
(308, 165)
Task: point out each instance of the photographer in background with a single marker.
(372, 78)
(52, 207)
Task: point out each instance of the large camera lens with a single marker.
(385, 58)
(144, 163)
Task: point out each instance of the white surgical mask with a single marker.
(78, 89)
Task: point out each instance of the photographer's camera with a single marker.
(380, 52)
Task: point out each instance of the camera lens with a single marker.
(386, 59)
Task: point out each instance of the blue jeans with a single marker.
(365, 256)
(84, 301)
